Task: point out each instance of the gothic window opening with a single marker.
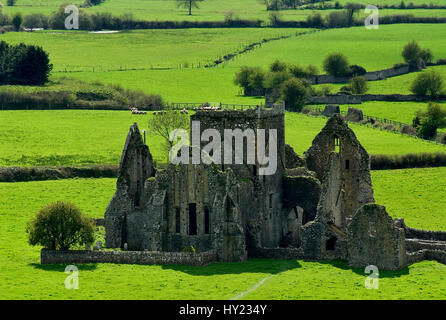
(177, 220)
(330, 244)
(206, 221)
(337, 144)
(192, 219)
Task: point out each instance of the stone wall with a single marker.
(370, 76)
(374, 239)
(335, 99)
(412, 233)
(277, 253)
(126, 257)
(426, 254)
(358, 99)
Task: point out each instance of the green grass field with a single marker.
(397, 111)
(411, 194)
(142, 49)
(74, 137)
(210, 10)
(372, 49)
(399, 84)
(97, 53)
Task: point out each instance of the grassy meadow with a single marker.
(75, 137)
(210, 10)
(22, 276)
(171, 63)
(93, 56)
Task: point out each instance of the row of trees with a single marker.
(23, 64)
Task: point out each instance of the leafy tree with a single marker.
(428, 122)
(249, 77)
(426, 55)
(273, 4)
(166, 122)
(278, 66)
(356, 70)
(257, 79)
(336, 64)
(429, 83)
(17, 20)
(60, 225)
(411, 53)
(188, 4)
(414, 55)
(294, 92)
(23, 64)
(315, 20)
(351, 9)
(358, 85)
(275, 79)
(301, 72)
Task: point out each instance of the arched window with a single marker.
(336, 144)
(206, 221)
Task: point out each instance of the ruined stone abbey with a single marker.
(319, 207)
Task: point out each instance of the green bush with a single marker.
(275, 79)
(427, 122)
(336, 64)
(60, 225)
(358, 85)
(278, 66)
(17, 20)
(189, 249)
(294, 92)
(356, 70)
(418, 160)
(415, 56)
(429, 83)
(23, 64)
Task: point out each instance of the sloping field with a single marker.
(372, 49)
(142, 49)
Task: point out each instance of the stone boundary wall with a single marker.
(335, 99)
(370, 76)
(276, 253)
(358, 99)
(425, 254)
(423, 234)
(126, 257)
(413, 245)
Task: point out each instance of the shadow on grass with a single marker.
(268, 266)
(61, 267)
(341, 264)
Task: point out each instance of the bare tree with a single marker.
(162, 123)
(188, 4)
